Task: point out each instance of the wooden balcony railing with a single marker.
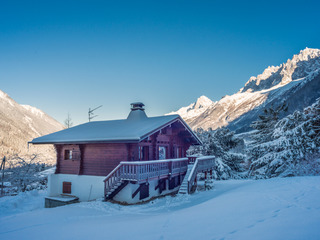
(143, 171)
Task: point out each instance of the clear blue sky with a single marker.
(67, 56)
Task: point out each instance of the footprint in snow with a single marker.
(261, 220)
(233, 232)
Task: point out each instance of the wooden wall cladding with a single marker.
(101, 159)
(68, 166)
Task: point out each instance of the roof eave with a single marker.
(157, 129)
(191, 131)
(86, 142)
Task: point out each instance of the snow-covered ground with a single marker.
(279, 208)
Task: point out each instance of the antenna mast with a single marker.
(91, 114)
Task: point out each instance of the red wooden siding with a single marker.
(68, 166)
(170, 138)
(100, 159)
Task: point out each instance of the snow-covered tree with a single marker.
(227, 148)
(293, 147)
(266, 122)
(22, 173)
(261, 136)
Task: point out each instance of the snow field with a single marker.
(278, 208)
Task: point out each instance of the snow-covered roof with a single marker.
(133, 129)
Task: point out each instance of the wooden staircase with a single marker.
(201, 164)
(184, 185)
(116, 189)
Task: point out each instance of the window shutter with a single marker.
(76, 155)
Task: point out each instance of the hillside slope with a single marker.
(20, 124)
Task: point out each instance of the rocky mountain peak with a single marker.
(306, 54)
(300, 66)
(194, 109)
(202, 102)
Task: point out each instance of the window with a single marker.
(178, 152)
(162, 152)
(67, 154)
(144, 153)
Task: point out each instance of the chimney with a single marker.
(137, 112)
(137, 106)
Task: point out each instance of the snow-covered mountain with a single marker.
(20, 124)
(194, 109)
(296, 82)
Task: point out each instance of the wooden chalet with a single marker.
(120, 158)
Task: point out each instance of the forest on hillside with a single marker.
(275, 148)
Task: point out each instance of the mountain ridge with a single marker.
(275, 85)
(19, 125)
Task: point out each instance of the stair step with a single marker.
(182, 192)
(115, 187)
(184, 185)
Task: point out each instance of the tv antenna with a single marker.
(91, 114)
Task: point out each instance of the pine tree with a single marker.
(227, 148)
(258, 149)
(292, 148)
(265, 124)
(299, 138)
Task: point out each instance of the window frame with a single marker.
(68, 154)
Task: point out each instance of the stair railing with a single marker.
(201, 164)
